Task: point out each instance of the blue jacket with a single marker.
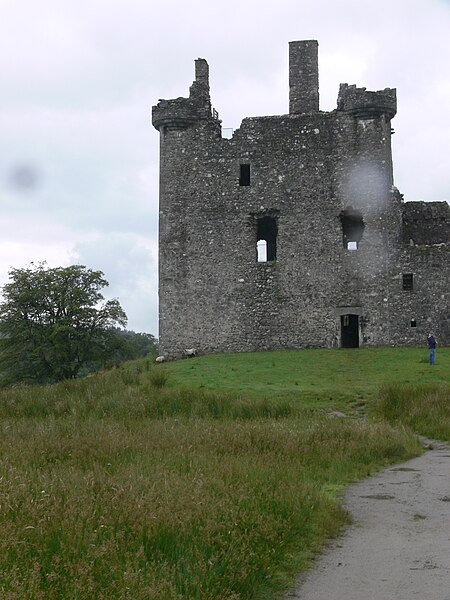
(431, 342)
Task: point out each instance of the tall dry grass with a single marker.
(425, 408)
(117, 487)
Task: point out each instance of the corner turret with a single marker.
(365, 104)
(181, 113)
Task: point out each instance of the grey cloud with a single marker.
(129, 264)
(78, 80)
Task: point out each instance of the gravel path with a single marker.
(399, 545)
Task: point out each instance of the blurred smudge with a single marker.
(24, 177)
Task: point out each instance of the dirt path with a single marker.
(399, 546)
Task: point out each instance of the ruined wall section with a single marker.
(424, 306)
(423, 258)
(425, 223)
(291, 164)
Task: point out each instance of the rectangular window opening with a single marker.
(266, 239)
(408, 280)
(413, 323)
(352, 228)
(244, 175)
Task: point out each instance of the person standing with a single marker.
(431, 347)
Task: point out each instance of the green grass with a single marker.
(341, 379)
(200, 479)
(424, 408)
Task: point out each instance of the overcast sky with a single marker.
(78, 154)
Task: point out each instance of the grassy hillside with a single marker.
(341, 379)
(221, 482)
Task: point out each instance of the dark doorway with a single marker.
(349, 331)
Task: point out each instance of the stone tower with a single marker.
(291, 234)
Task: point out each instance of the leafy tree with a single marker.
(132, 345)
(124, 345)
(55, 321)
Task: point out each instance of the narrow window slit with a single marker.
(244, 175)
(408, 281)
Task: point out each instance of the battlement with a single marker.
(362, 103)
(180, 113)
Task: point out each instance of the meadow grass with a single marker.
(125, 485)
(425, 408)
(344, 379)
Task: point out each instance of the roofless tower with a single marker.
(291, 234)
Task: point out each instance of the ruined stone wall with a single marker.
(425, 223)
(320, 181)
(424, 306)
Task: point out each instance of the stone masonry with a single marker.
(291, 234)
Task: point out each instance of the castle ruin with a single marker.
(291, 234)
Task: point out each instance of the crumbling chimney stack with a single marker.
(303, 77)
